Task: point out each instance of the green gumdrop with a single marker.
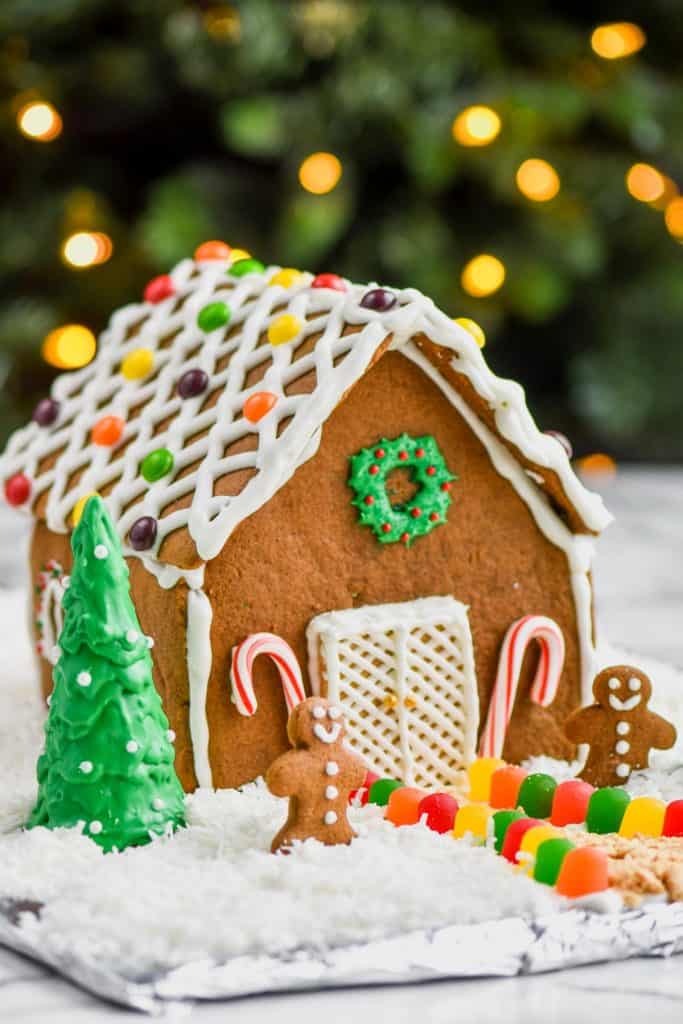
(501, 822)
(606, 809)
(246, 266)
(213, 316)
(536, 795)
(156, 465)
(381, 790)
(549, 858)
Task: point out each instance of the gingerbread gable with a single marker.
(306, 346)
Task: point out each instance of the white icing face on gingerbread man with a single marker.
(622, 694)
(320, 722)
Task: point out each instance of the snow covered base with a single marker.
(213, 892)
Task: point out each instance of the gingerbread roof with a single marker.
(226, 464)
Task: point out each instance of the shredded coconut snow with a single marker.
(214, 890)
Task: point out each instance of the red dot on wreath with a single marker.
(159, 288)
(374, 470)
(369, 500)
(403, 456)
(386, 528)
(446, 486)
(405, 537)
(416, 513)
(420, 453)
(431, 470)
(434, 517)
(379, 453)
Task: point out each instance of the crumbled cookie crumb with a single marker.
(641, 866)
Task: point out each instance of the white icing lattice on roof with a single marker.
(208, 435)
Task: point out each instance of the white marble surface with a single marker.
(639, 580)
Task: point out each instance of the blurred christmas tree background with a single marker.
(444, 131)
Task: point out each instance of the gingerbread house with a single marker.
(333, 464)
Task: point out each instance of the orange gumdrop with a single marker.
(212, 251)
(505, 786)
(107, 431)
(403, 805)
(259, 405)
(583, 871)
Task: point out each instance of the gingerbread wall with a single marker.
(305, 553)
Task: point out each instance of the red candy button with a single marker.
(159, 288)
(17, 489)
(107, 431)
(359, 797)
(440, 809)
(332, 281)
(514, 836)
(673, 819)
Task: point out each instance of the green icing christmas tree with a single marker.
(108, 760)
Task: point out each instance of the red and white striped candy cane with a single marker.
(544, 687)
(243, 656)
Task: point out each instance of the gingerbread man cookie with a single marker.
(619, 727)
(317, 776)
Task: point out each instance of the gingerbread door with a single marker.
(404, 675)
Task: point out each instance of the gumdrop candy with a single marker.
(673, 819)
(583, 871)
(570, 802)
(473, 819)
(549, 858)
(514, 836)
(606, 808)
(531, 840)
(440, 810)
(359, 797)
(479, 774)
(403, 805)
(536, 795)
(381, 790)
(501, 822)
(644, 816)
(505, 784)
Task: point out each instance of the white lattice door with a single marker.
(404, 675)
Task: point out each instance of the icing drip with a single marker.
(199, 616)
(49, 616)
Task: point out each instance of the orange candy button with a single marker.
(107, 431)
(259, 405)
(583, 871)
(505, 786)
(212, 251)
(403, 805)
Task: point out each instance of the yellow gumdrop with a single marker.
(473, 328)
(239, 254)
(644, 816)
(472, 819)
(286, 277)
(479, 774)
(137, 363)
(80, 505)
(284, 329)
(531, 840)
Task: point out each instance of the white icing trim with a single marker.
(578, 548)
(199, 616)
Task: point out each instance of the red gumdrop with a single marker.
(440, 810)
(515, 834)
(17, 489)
(159, 288)
(505, 786)
(570, 802)
(332, 281)
(673, 819)
(359, 797)
(583, 871)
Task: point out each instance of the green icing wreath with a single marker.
(428, 506)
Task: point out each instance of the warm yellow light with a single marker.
(674, 218)
(483, 275)
(69, 347)
(473, 328)
(619, 39)
(40, 121)
(645, 183)
(320, 172)
(597, 465)
(223, 23)
(476, 126)
(669, 192)
(537, 180)
(86, 249)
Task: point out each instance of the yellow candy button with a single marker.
(286, 277)
(473, 328)
(284, 329)
(80, 505)
(479, 774)
(137, 363)
(472, 819)
(644, 816)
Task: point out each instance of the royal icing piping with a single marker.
(624, 705)
(199, 616)
(337, 359)
(419, 652)
(330, 735)
(49, 617)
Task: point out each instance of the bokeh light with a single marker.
(619, 39)
(597, 466)
(645, 183)
(69, 347)
(87, 249)
(537, 180)
(476, 126)
(473, 328)
(320, 173)
(483, 275)
(223, 22)
(674, 218)
(40, 121)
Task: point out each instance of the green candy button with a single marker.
(248, 266)
(549, 858)
(213, 316)
(606, 809)
(536, 795)
(381, 790)
(157, 464)
(501, 822)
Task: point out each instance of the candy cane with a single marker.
(243, 656)
(544, 687)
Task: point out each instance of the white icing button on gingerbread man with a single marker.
(623, 770)
(622, 747)
(331, 792)
(623, 728)
(331, 768)
(330, 818)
